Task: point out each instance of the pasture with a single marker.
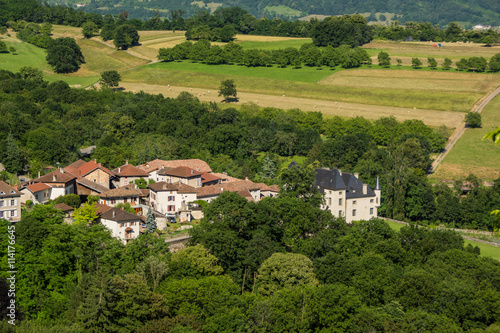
(471, 154)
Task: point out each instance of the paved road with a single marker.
(478, 107)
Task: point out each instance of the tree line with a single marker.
(231, 53)
(279, 265)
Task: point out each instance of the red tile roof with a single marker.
(196, 164)
(181, 172)
(129, 170)
(213, 190)
(37, 187)
(91, 166)
(63, 207)
(102, 208)
(126, 191)
(225, 177)
(209, 177)
(246, 194)
(56, 176)
(8, 190)
(180, 188)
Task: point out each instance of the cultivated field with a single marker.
(473, 155)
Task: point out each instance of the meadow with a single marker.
(471, 154)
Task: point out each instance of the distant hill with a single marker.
(440, 12)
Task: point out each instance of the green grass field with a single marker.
(471, 154)
(297, 83)
(274, 45)
(28, 55)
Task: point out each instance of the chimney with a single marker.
(114, 213)
(377, 187)
(95, 160)
(126, 162)
(38, 174)
(120, 170)
(53, 176)
(62, 170)
(246, 178)
(192, 171)
(365, 188)
(164, 186)
(222, 189)
(356, 175)
(340, 172)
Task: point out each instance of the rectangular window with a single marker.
(113, 202)
(171, 208)
(371, 200)
(340, 213)
(125, 200)
(1, 203)
(13, 202)
(371, 211)
(1, 213)
(354, 212)
(354, 202)
(340, 202)
(340, 193)
(12, 213)
(329, 201)
(171, 198)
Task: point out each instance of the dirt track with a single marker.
(328, 108)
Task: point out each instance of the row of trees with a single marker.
(307, 55)
(472, 64)
(279, 265)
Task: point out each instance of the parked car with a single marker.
(170, 218)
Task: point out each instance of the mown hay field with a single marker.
(301, 83)
(471, 154)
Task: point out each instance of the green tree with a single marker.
(150, 222)
(13, 159)
(383, 59)
(12, 49)
(416, 63)
(298, 181)
(126, 207)
(285, 270)
(399, 61)
(72, 200)
(126, 36)
(476, 64)
(227, 33)
(227, 89)
(432, 62)
(64, 55)
(110, 78)
(194, 261)
(89, 29)
(87, 214)
(473, 119)
(494, 63)
(153, 269)
(3, 47)
(31, 73)
(446, 63)
(46, 28)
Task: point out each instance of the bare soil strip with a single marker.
(328, 108)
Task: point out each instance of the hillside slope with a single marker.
(438, 12)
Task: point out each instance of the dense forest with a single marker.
(279, 265)
(442, 12)
(47, 123)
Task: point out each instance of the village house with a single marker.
(181, 174)
(121, 195)
(38, 193)
(208, 179)
(60, 182)
(169, 198)
(122, 224)
(67, 210)
(10, 203)
(127, 174)
(347, 196)
(91, 171)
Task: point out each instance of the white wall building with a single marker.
(122, 224)
(171, 198)
(10, 203)
(346, 195)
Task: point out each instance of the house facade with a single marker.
(10, 203)
(182, 174)
(122, 224)
(245, 188)
(171, 198)
(127, 174)
(38, 193)
(347, 196)
(60, 181)
(125, 194)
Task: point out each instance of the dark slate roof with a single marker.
(336, 180)
(118, 215)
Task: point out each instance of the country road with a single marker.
(478, 107)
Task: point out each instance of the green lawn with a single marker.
(486, 250)
(297, 83)
(304, 74)
(471, 153)
(32, 56)
(274, 45)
